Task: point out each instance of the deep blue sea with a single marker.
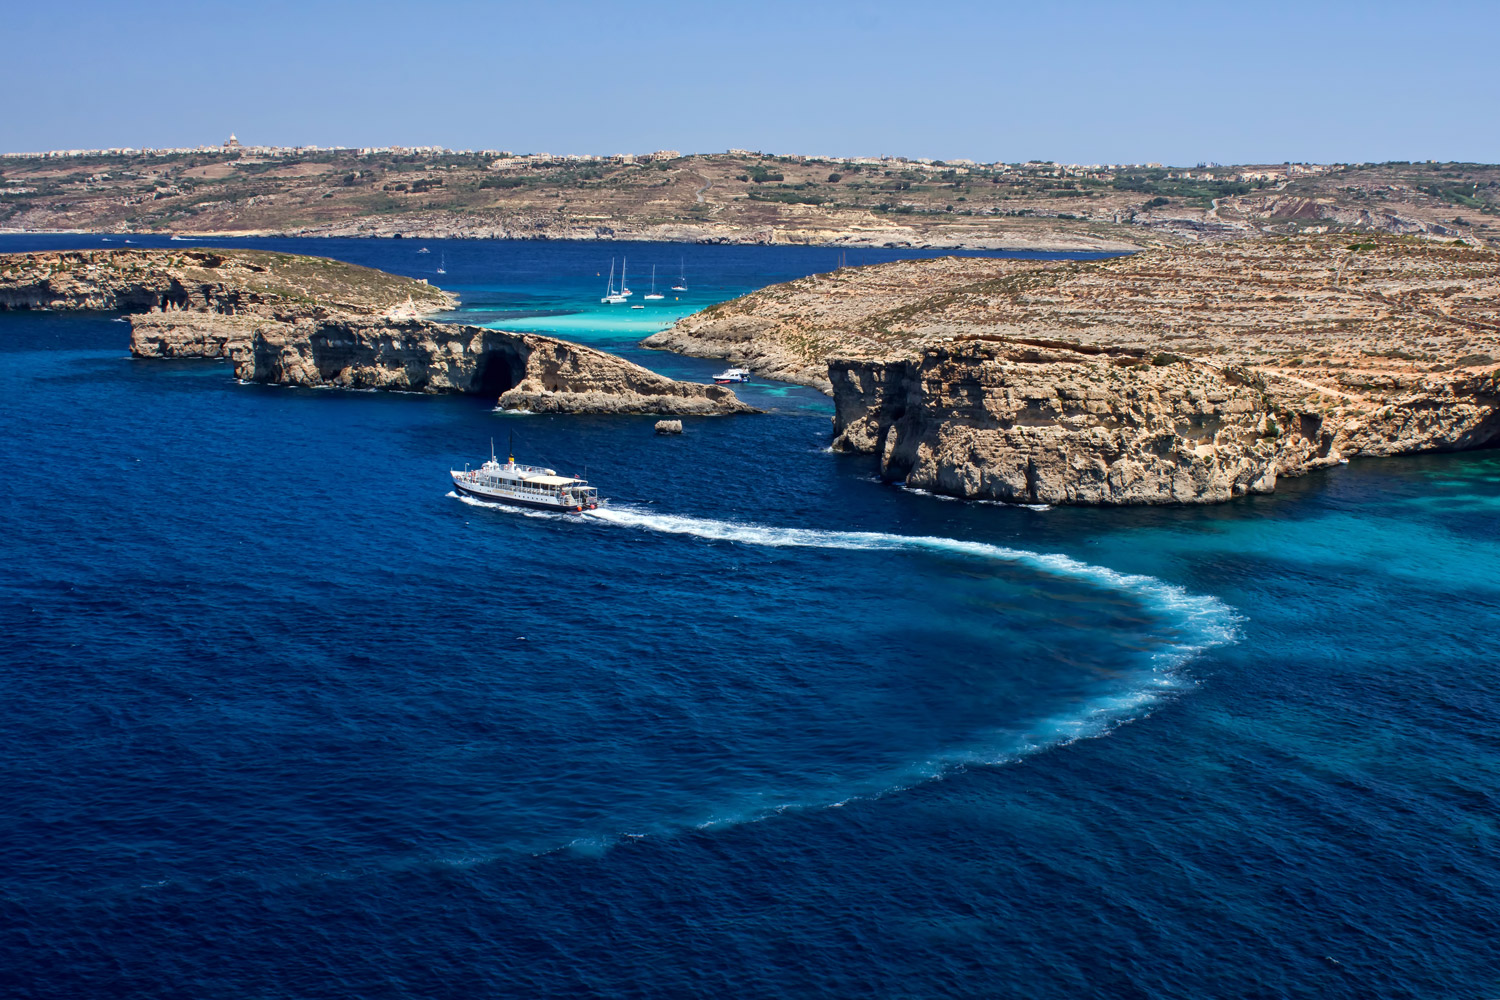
(282, 717)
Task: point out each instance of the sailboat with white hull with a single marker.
(653, 294)
(611, 296)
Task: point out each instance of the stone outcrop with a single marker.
(1043, 423)
(417, 356)
(1179, 375)
(669, 427)
(523, 371)
(221, 282)
(305, 321)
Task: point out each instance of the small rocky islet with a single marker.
(1183, 375)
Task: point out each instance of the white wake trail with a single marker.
(1209, 619)
(1198, 622)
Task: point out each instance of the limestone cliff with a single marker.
(524, 371)
(1179, 375)
(1050, 424)
(308, 321)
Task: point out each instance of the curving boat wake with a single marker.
(1191, 624)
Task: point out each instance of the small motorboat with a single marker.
(732, 375)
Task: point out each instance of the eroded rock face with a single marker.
(306, 321)
(187, 334)
(1048, 425)
(1027, 424)
(1175, 375)
(560, 377)
(523, 371)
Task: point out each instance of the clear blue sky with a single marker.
(1079, 82)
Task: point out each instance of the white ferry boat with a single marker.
(732, 375)
(525, 486)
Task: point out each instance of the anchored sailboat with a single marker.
(611, 296)
(681, 285)
(653, 293)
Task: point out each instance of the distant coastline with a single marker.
(736, 197)
(889, 239)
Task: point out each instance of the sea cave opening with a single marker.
(501, 366)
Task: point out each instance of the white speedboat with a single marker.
(525, 486)
(732, 375)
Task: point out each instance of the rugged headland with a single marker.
(1175, 375)
(735, 197)
(310, 321)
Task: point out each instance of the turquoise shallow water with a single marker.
(284, 718)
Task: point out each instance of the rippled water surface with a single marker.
(284, 717)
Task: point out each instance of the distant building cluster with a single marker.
(506, 160)
(230, 145)
(233, 145)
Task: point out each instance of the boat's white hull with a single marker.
(481, 493)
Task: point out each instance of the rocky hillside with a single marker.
(1175, 375)
(736, 197)
(308, 321)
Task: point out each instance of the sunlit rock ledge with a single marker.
(297, 320)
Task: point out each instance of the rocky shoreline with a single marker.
(307, 321)
(1051, 424)
(1180, 375)
(1174, 376)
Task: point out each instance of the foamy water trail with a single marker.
(1207, 617)
(1196, 622)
